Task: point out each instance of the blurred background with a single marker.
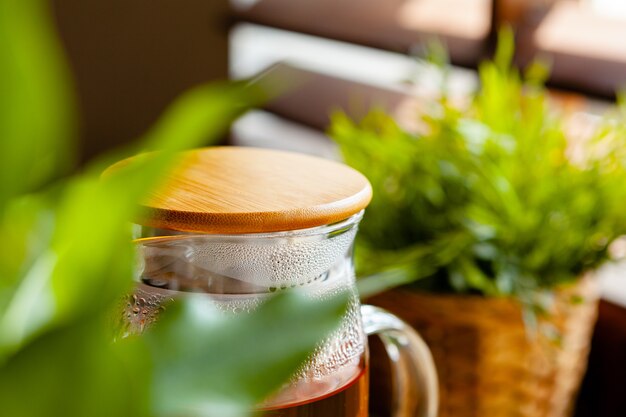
(130, 59)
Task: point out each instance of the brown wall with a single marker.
(132, 57)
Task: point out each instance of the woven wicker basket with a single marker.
(489, 363)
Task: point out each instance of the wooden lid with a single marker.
(250, 190)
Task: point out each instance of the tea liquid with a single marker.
(349, 400)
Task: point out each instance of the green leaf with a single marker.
(505, 48)
(26, 224)
(538, 71)
(76, 371)
(374, 284)
(36, 118)
(207, 364)
(89, 262)
(68, 259)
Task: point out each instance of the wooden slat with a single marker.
(464, 25)
(587, 51)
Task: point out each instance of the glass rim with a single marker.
(311, 231)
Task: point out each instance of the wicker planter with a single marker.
(489, 364)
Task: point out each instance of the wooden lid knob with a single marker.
(251, 190)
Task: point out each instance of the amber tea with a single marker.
(349, 400)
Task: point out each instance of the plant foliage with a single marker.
(489, 198)
(66, 261)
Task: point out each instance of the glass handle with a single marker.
(416, 390)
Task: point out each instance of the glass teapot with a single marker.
(238, 224)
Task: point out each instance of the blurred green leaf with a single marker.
(36, 127)
(538, 71)
(68, 259)
(36, 118)
(76, 371)
(26, 224)
(371, 285)
(89, 261)
(209, 366)
(504, 49)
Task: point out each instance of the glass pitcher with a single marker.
(209, 240)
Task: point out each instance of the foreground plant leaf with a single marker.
(67, 258)
(36, 104)
(76, 371)
(88, 262)
(209, 365)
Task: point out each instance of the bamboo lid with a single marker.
(250, 190)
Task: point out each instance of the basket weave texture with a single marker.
(491, 364)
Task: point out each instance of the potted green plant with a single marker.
(495, 223)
